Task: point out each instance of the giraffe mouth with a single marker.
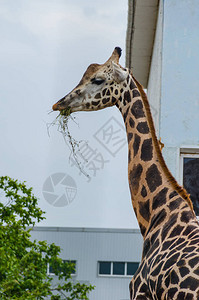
(74, 101)
(57, 107)
(63, 104)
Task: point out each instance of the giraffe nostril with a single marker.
(78, 92)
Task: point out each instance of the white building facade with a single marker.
(163, 50)
(105, 258)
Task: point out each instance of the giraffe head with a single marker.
(98, 88)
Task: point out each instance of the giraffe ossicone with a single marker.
(169, 268)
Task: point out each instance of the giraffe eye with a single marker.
(97, 81)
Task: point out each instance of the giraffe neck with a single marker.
(151, 184)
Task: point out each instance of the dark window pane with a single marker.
(132, 267)
(105, 267)
(118, 268)
(74, 265)
(53, 268)
(191, 180)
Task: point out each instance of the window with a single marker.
(51, 271)
(105, 268)
(132, 268)
(190, 175)
(117, 268)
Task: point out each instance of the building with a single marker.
(162, 49)
(106, 258)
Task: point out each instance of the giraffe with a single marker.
(169, 268)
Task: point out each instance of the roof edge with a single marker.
(140, 37)
(84, 229)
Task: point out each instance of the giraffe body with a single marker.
(170, 260)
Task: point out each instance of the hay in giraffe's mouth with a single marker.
(61, 122)
(65, 112)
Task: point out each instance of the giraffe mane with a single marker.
(183, 193)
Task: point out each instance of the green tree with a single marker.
(23, 262)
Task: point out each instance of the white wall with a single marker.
(155, 76)
(174, 79)
(88, 246)
(179, 121)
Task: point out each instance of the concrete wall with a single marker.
(174, 79)
(180, 79)
(155, 76)
(88, 246)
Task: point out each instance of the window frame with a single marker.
(115, 275)
(186, 152)
(186, 155)
(64, 260)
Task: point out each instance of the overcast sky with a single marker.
(45, 48)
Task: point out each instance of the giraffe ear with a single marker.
(119, 74)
